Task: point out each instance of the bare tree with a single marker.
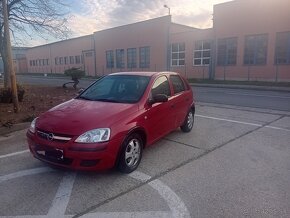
(29, 18)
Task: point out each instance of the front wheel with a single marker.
(131, 154)
(188, 123)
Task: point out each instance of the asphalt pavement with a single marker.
(234, 163)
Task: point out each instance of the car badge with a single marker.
(50, 136)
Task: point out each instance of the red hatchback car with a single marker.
(112, 121)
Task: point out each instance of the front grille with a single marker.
(53, 136)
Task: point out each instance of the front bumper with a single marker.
(76, 156)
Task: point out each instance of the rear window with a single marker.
(178, 85)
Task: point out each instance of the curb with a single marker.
(252, 87)
(14, 128)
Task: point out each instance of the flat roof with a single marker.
(136, 23)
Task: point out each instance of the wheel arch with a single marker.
(139, 130)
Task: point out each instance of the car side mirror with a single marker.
(158, 98)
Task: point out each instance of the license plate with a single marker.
(54, 153)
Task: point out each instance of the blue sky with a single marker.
(88, 16)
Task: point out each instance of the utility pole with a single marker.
(10, 68)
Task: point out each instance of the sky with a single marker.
(88, 16)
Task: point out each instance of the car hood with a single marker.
(77, 116)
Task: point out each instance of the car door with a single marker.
(159, 115)
(180, 99)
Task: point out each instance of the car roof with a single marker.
(143, 73)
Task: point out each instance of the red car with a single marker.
(112, 121)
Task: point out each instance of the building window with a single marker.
(47, 63)
(61, 60)
(144, 56)
(65, 60)
(120, 56)
(131, 58)
(56, 61)
(178, 54)
(89, 54)
(227, 51)
(282, 53)
(30, 62)
(71, 59)
(201, 53)
(110, 59)
(78, 59)
(256, 50)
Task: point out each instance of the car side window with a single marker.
(178, 85)
(161, 86)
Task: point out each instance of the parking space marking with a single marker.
(63, 194)
(61, 199)
(240, 122)
(13, 154)
(227, 120)
(277, 128)
(25, 173)
(176, 205)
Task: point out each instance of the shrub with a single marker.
(74, 73)
(6, 94)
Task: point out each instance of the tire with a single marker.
(188, 122)
(131, 154)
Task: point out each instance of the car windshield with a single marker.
(117, 88)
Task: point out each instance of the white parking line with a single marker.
(25, 173)
(61, 199)
(240, 122)
(13, 154)
(63, 194)
(176, 205)
(227, 120)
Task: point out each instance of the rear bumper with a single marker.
(98, 156)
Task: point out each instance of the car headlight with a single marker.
(32, 126)
(95, 135)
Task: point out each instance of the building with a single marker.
(59, 56)
(250, 40)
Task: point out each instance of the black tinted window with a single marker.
(161, 86)
(178, 85)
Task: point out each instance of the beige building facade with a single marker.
(250, 40)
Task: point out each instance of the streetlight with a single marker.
(165, 6)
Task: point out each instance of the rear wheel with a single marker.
(188, 123)
(131, 153)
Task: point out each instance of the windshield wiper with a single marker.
(85, 98)
(106, 100)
